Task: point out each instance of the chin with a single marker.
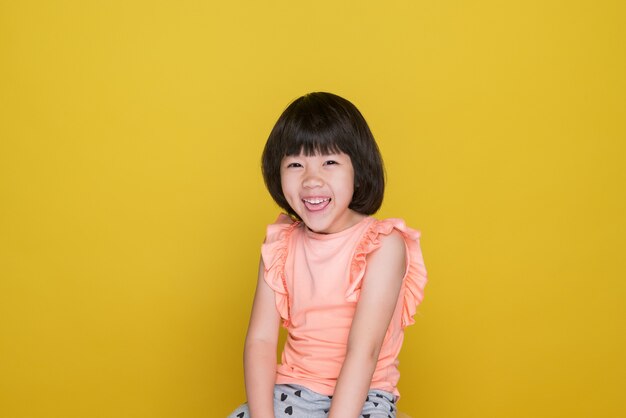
(315, 225)
(319, 230)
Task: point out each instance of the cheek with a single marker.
(287, 185)
(350, 180)
(346, 187)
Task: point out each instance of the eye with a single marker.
(330, 162)
(294, 165)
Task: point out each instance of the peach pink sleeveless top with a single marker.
(316, 279)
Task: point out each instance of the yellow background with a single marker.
(132, 208)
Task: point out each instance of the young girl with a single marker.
(344, 284)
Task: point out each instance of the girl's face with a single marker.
(319, 189)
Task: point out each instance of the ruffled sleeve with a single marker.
(274, 253)
(415, 277)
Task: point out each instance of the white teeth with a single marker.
(316, 201)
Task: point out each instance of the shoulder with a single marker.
(390, 233)
(392, 245)
(390, 253)
(277, 237)
(280, 229)
(392, 239)
(382, 243)
(384, 240)
(386, 226)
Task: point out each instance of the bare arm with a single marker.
(260, 350)
(379, 295)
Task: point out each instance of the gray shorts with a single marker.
(293, 401)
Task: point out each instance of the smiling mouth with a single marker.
(316, 203)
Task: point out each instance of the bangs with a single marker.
(313, 143)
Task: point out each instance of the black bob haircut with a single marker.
(321, 124)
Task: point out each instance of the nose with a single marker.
(312, 179)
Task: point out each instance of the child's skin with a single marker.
(319, 189)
